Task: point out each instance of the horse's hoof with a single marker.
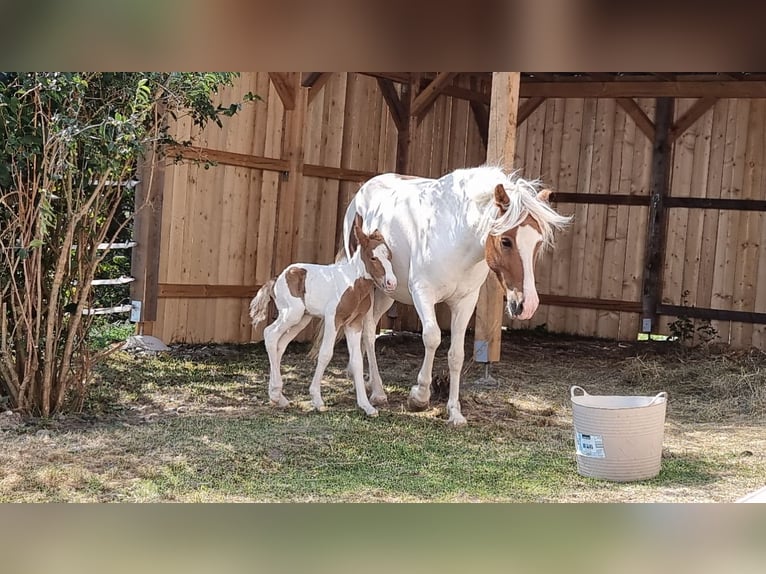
(416, 405)
(320, 408)
(281, 403)
(379, 400)
(372, 412)
(457, 420)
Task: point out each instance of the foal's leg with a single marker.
(272, 337)
(323, 359)
(461, 315)
(381, 304)
(420, 394)
(354, 341)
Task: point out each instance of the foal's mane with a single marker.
(523, 201)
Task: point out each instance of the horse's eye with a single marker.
(506, 242)
(373, 258)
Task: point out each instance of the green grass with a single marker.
(195, 425)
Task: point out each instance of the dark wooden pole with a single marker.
(655, 241)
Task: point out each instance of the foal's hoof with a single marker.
(280, 402)
(379, 400)
(416, 405)
(371, 412)
(457, 421)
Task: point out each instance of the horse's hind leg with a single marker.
(354, 341)
(276, 337)
(381, 304)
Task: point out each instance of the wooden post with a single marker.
(147, 226)
(500, 150)
(655, 240)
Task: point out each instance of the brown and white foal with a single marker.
(341, 294)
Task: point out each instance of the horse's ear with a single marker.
(501, 197)
(377, 236)
(358, 233)
(544, 195)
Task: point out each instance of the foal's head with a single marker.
(511, 255)
(376, 257)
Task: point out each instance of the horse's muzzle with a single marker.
(515, 308)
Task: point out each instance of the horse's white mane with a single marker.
(523, 201)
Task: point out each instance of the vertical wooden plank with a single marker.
(682, 160)
(729, 221)
(292, 150)
(265, 268)
(615, 236)
(695, 221)
(601, 165)
(708, 244)
(550, 169)
(759, 331)
(568, 176)
(651, 286)
(501, 149)
(333, 121)
(260, 85)
(746, 268)
(580, 227)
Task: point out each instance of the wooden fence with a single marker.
(286, 168)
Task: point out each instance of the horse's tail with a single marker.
(259, 306)
(349, 240)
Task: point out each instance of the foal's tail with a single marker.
(259, 306)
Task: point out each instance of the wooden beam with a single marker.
(527, 108)
(599, 198)
(228, 158)
(655, 241)
(341, 173)
(267, 163)
(712, 314)
(310, 78)
(500, 151)
(643, 122)
(591, 303)
(394, 103)
(422, 103)
(318, 84)
(197, 291)
(285, 84)
(452, 91)
(716, 203)
(645, 89)
(694, 113)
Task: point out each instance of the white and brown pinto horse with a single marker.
(340, 294)
(445, 235)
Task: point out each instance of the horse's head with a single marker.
(512, 254)
(376, 257)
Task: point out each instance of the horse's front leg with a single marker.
(323, 359)
(381, 304)
(354, 342)
(420, 393)
(461, 314)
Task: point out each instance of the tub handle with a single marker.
(576, 388)
(662, 395)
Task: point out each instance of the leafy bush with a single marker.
(68, 148)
